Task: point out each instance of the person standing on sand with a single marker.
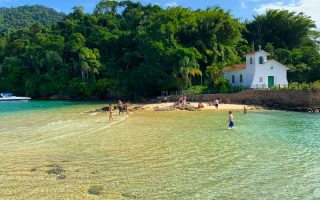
(216, 103)
(110, 114)
(231, 120)
(120, 107)
(164, 99)
(180, 100)
(245, 111)
(184, 102)
(127, 108)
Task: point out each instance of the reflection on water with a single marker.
(62, 152)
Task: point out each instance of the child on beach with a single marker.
(110, 114)
(231, 120)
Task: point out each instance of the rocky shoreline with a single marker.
(290, 108)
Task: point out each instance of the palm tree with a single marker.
(89, 62)
(189, 68)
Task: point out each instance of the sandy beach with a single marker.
(222, 107)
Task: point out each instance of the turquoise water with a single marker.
(20, 106)
(157, 155)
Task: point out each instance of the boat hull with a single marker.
(15, 99)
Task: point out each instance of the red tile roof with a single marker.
(236, 67)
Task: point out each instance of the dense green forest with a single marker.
(25, 16)
(125, 49)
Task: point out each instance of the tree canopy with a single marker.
(126, 49)
(291, 38)
(25, 16)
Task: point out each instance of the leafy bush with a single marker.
(305, 86)
(294, 86)
(285, 88)
(198, 89)
(224, 89)
(237, 89)
(315, 85)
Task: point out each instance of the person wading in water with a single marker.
(231, 120)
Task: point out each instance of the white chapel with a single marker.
(257, 72)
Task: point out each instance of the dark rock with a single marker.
(167, 108)
(56, 170)
(60, 97)
(276, 105)
(33, 170)
(187, 107)
(95, 190)
(105, 108)
(136, 107)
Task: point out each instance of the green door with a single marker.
(270, 81)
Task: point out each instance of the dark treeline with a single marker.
(125, 49)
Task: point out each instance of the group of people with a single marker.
(120, 107)
(215, 103)
(182, 100)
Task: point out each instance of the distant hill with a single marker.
(23, 16)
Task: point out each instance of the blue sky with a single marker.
(243, 9)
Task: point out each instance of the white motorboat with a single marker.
(10, 97)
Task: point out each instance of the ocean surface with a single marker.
(61, 150)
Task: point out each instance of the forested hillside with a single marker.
(125, 49)
(25, 16)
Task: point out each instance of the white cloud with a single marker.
(243, 4)
(308, 7)
(171, 4)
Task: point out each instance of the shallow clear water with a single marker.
(156, 155)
